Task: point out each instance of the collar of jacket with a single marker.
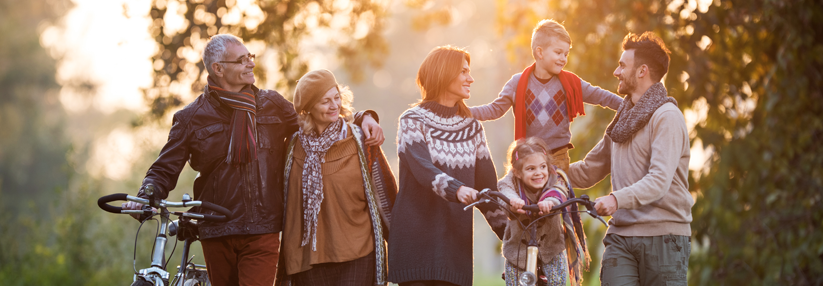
(212, 98)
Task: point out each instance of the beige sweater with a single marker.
(649, 176)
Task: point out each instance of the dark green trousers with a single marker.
(645, 260)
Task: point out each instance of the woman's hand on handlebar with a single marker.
(516, 205)
(545, 206)
(466, 195)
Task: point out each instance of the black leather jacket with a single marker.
(253, 192)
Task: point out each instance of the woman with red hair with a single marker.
(444, 160)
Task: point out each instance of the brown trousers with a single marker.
(242, 260)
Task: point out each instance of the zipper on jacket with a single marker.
(249, 207)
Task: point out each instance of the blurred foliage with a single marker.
(44, 230)
(51, 233)
(748, 73)
(64, 247)
(283, 26)
(429, 14)
(32, 162)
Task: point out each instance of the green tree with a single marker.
(283, 26)
(748, 73)
(32, 163)
(46, 232)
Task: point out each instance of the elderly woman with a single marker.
(339, 193)
(444, 160)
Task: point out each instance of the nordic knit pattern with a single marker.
(431, 237)
(546, 112)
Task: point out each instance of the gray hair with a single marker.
(216, 48)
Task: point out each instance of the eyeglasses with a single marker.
(246, 59)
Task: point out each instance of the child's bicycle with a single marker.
(529, 277)
(185, 228)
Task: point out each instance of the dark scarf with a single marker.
(243, 144)
(630, 117)
(316, 146)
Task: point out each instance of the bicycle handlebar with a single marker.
(225, 214)
(583, 199)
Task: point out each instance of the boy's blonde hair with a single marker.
(525, 147)
(545, 30)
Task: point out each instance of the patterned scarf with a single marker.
(630, 118)
(243, 144)
(316, 147)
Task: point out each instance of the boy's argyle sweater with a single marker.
(546, 112)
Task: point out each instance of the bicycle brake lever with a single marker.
(476, 203)
(147, 212)
(598, 217)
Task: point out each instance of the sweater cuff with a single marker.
(446, 187)
(622, 199)
(451, 190)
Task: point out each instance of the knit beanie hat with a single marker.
(311, 87)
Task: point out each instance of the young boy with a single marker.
(546, 98)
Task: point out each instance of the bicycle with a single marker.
(529, 277)
(185, 228)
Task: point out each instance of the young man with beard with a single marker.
(646, 150)
(234, 135)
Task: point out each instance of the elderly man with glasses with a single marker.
(234, 135)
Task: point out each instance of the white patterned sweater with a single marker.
(431, 236)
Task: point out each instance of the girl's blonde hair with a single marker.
(438, 70)
(525, 147)
(346, 110)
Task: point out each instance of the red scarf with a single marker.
(243, 145)
(574, 98)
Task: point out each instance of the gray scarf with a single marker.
(316, 147)
(630, 117)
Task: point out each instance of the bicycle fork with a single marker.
(529, 277)
(156, 273)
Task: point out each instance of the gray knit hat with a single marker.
(311, 87)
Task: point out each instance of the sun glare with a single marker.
(105, 43)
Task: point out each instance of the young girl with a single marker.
(532, 179)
